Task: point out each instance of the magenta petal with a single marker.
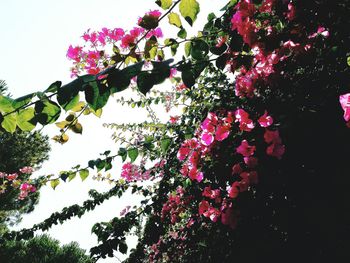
(207, 138)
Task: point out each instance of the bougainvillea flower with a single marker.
(291, 11)
(27, 170)
(272, 136)
(208, 125)
(345, 104)
(265, 120)
(12, 176)
(174, 119)
(74, 53)
(195, 174)
(222, 132)
(203, 207)
(236, 169)
(229, 217)
(251, 177)
(276, 150)
(245, 149)
(212, 194)
(251, 162)
(207, 138)
(233, 190)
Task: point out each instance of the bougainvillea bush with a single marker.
(253, 169)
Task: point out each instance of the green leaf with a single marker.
(164, 144)
(174, 19)
(182, 33)
(189, 10)
(188, 47)
(25, 119)
(19, 102)
(133, 153)
(150, 49)
(84, 173)
(188, 78)
(165, 4)
(145, 82)
(96, 95)
(67, 93)
(70, 105)
(218, 50)
(54, 183)
(123, 248)
(47, 111)
(71, 176)
(54, 87)
(348, 60)
(6, 104)
(117, 81)
(149, 22)
(123, 153)
(199, 49)
(9, 122)
(133, 70)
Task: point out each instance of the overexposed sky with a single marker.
(35, 36)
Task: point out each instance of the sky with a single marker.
(35, 36)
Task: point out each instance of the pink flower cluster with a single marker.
(175, 205)
(132, 172)
(218, 202)
(14, 181)
(263, 64)
(25, 189)
(345, 104)
(92, 56)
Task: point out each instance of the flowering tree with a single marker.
(254, 168)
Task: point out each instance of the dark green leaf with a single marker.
(133, 153)
(54, 87)
(164, 144)
(199, 49)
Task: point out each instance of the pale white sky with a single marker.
(35, 36)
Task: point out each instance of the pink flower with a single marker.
(203, 207)
(291, 11)
(222, 132)
(116, 34)
(251, 177)
(27, 170)
(125, 210)
(276, 150)
(250, 161)
(74, 53)
(207, 138)
(229, 217)
(242, 117)
(236, 169)
(245, 149)
(265, 120)
(174, 119)
(11, 177)
(194, 174)
(272, 136)
(345, 104)
(212, 194)
(155, 32)
(233, 190)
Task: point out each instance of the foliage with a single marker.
(42, 249)
(257, 161)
